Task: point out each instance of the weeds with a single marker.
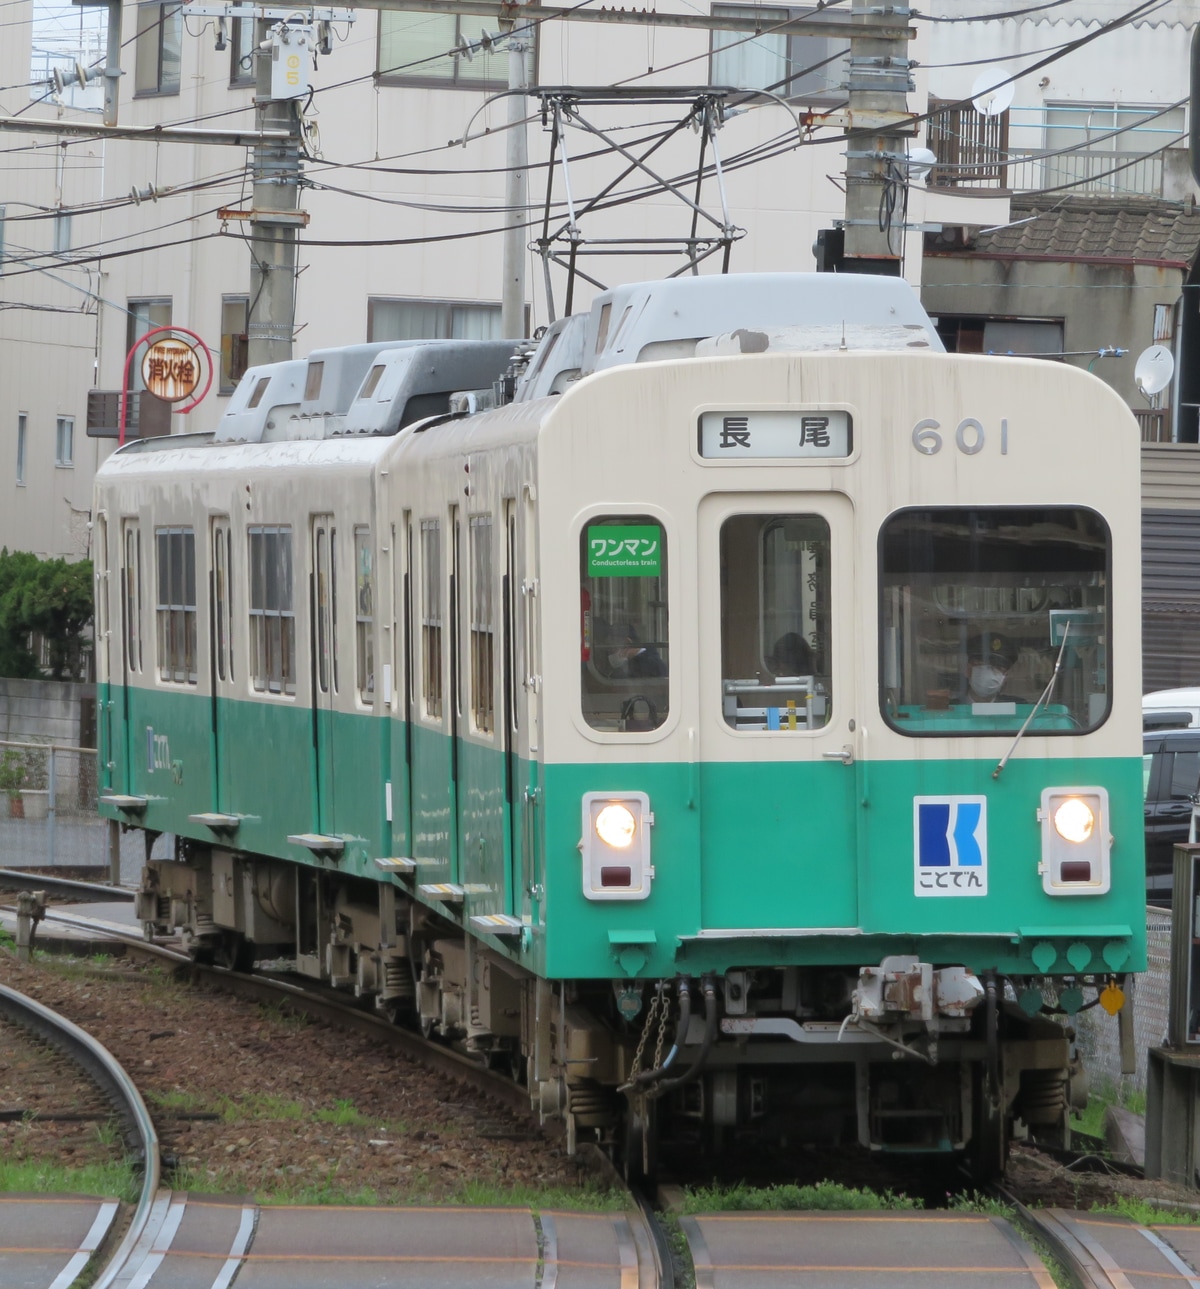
(1145, 1213)
(121, 1180)
(823, 1197)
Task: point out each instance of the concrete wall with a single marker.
(55, 711)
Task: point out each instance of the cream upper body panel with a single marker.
(1006, 432)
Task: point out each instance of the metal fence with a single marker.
(48, 811)
(1097, 1031)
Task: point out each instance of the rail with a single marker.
(106, 1072)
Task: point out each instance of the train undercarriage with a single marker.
(898, 1057)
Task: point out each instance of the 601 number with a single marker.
(969, 437)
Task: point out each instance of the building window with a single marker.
(148, 416)
(482, 624)
(1010, 337)
(809, 68)
(64, 441)
(62, 233)
(272, 617)
(414, 49)
(159, 38)
(176, 557)
(431, 319)
(1095, 159)
(22, 422)
(431, 618)
(364, 613)
(623, 610)
(241, 52)
(235, 343)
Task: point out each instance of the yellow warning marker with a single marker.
(791, 710)
(1113, 998)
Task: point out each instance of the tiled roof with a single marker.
(1096, 228)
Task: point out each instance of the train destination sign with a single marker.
(735, 436)
(624, 550)
(171, 369)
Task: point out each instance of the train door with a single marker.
(431, 764)
(220, 594)
(527, 684)
(456, 691)
(323, 602)
(778, 801)
(103, 636)
(508, 719)
(131, 654)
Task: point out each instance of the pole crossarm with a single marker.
(268, 13)
(837, 28)
(150, 133)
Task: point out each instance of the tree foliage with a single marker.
(48, 598)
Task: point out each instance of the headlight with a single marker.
(1076, 841)
(615, 826)
(1074, 820)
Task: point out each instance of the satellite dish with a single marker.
(1154, 370)
(989, 95)
(920, 161)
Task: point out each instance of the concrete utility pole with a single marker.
(516, 236)
(275, 219)
(878, 84)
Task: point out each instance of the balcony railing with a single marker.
(1154, 424)
(977, 152)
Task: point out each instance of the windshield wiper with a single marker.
(1041, 702)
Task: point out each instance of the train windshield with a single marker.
(625, 649)
(980, 605)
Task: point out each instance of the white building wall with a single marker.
(48, 361)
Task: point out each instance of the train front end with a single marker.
(842, 794)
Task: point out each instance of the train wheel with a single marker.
(987, 1154)
(234, 952)
(639, 1141)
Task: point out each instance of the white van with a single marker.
(1171, 709)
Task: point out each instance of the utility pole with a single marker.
(512, 299)
(275, 217)
(878, 85)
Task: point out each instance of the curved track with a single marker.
(100, 1066)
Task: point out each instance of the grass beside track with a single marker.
(120, 1180)
(824, 1196)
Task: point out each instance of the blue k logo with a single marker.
(950, 845)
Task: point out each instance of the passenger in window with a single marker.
(630, 658)
(792, 656)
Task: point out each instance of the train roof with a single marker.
(652, 321)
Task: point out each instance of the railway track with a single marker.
(646, 1248)
(129, 1109)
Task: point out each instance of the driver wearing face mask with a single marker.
(989, 668)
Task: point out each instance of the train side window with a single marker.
(482, 625)
(272, 615)
(131, 593)
(775, 622)
(431, 618)
(324, 615)
(364, 613)
(624, 641)
(175, 553)
(980, 605)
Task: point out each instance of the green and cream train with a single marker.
(723, 712)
